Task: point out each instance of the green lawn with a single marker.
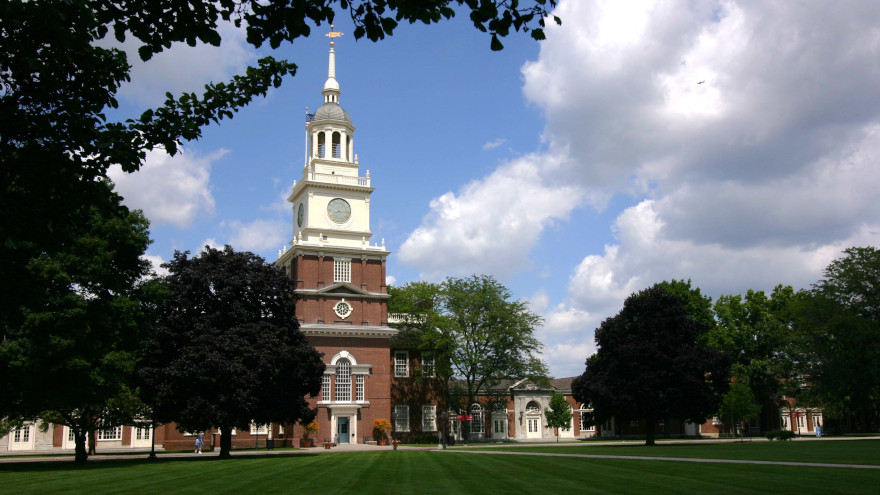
(420, 472)
(835, 452)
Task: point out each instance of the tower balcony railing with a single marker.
(340, 179)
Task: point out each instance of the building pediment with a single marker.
(343, 289)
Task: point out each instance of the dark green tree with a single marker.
(836, 359)
(58, 83)
(73, 355)
(755, 332)
(651, 365)
(854, 282)
(227, 351)
(559, 415)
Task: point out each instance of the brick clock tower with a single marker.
(339, 275)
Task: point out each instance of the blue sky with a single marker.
(731, 143)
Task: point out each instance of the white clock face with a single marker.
(339, 210)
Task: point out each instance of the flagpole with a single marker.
(306, 149)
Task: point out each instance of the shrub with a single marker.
(781, 435)
(310, 429)
(381, 427)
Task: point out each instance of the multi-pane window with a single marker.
(429, 418)
(477, 425)
(142, 433)
(325, 388)
(498, 425)
(259, 429)
(342, 270)
(114, 433)
(22, 434)
(359, 387)
(427, 364)
(401, 418)
(533, 407)
(585, 416)
(401, 364)
(343, 380)
(800, 419)
(533, 425)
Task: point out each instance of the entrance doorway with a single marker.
(342, 430)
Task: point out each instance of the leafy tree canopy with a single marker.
(68, 357)
(57, 81)
(854, 281)
(559, 415)
(754, 331)
(478, 334)
(739, 404)
(651, 364)
(228, 350)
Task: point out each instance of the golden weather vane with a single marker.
(332, 34)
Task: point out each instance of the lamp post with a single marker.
(393, 428)
(441, 428)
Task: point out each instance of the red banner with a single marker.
(465, 417)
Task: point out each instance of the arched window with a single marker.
(478, 424)
(533, 407)
(321, 145)
(348, 148)
(343, 380)
(337, 145)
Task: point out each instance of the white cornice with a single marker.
(325, 330)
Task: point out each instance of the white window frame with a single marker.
(21, 434)
(429, 418)
(401, 418)
(498, 425)
(112, 434)
(428, 364)
(342, 270)
(325, 388)
(583, 412)
(142, 432)
(360, 387)
(343, 380)
(401, 364)
(478, 425)
(259, 429)
(532, 425)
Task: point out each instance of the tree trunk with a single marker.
(225, 442)
(649, 438)
(80, 440)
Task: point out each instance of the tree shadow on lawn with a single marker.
(38, 465)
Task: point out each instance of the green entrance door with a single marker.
(342, 431)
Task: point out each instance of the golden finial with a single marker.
(332, 34)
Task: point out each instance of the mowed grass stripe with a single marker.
(407, 472)
(833, 452)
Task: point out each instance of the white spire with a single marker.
(331, 87)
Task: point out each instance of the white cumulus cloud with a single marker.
(490, 225)
(170, 190)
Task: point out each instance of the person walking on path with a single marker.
(199, 444)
